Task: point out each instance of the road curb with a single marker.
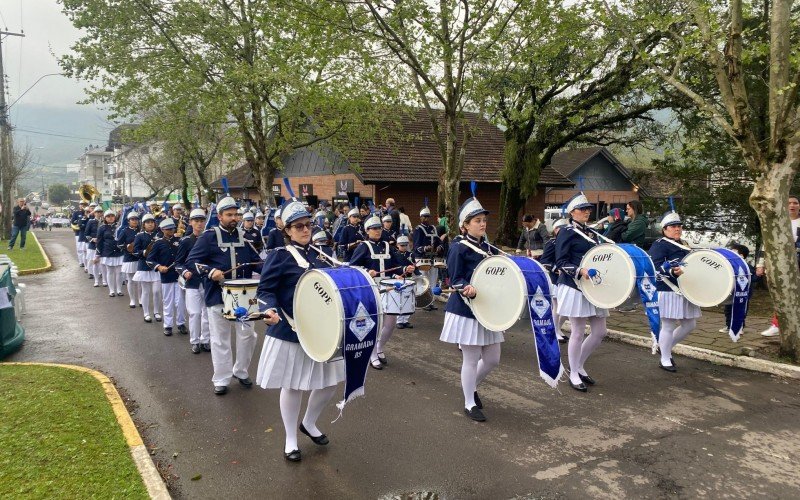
(720, 358)
(141, 457)
(38, 270)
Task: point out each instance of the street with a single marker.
(640, 432)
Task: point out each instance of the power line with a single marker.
(60, 135)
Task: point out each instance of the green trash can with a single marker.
(11, 333)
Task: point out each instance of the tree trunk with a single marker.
(450, 177)
(769, 199)
(264, 180)
(519, 177)
(185, 187)
(511, 203)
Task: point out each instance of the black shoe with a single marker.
(321, 440)
(158, 318)
(119, 294)
(563, 340)
(670, 369)
(96, 285)
(579, 387)
(376, 364)
(587, 379)
(112, 294)
(475, 414)
(91, 276)
(382, 358)
(219, 390)
(196, 348)
(148, 319)
(168, 331)
(401, 326)
(182, 329)
(673, 362)
(478, 401)
(428, 308)
(409, 325)
(132, 306)
(81, 265)
(293, 456)
(244, 381)
(206, 347)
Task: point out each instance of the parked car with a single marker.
(61, 221)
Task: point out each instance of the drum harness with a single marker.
(585, 236)
(477, 250)
(380, 257)
(661, 276)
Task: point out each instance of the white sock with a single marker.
(665, 342)
(469, 373)
(133, 290)
(389, 322)
(490, 358)
(147, 297)
(317, 401)
(598, 330)
(683, 331)
(290, 412)
(577, 329)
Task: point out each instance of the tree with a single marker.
(58, 193)
(563, 81)
(706, 58)
(21, 161)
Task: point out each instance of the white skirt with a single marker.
(572, 304)
(285, 365)
(111, 261)
(82, 246)
(674, 306)
(129, 267)
(468, 331)
(147, 276)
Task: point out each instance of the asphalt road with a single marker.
(640, 432)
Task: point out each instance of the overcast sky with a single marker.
(47, 116)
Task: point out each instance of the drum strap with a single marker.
(232, 245)
(677, 244)
(585, 236)
(472, 247)
(380, 257)
(301, 261)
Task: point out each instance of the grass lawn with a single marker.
(59, 437)
(29, 258)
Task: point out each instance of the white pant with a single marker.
(78, 250)
(199, 332)
(221, 354)
(134, 289)
(173, 303)
(112, 274)
(402, 319)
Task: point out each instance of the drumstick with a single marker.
(241, 265)
(333, 261)
(263, 315)
(456, 288)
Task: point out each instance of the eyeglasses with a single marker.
(302, 225)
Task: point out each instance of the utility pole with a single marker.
(5, 145)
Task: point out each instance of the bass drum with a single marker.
(618, 269)
(710, 276)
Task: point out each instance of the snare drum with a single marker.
(710, 276)
(240, 293)
(439, 263)
(618, 269)
(181, 281)
(396, 301)
(423, 296)
(424, 264)
(502, 290)
(327, 302)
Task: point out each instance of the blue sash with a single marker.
(646, 285)
(741, 292)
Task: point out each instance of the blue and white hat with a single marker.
(402, 240)
(292, 211)
(671, 218)
(248, 216)
(178, 206)
(425, 212)
(133, 214)
(148, 217)
(278, 212)
(354, 213)
(109, 212)
(226, 203)
(560, 223)
(577, 201)
(373, 222)
(97, 208)
(469, 209)
(387, 218)
(197, 213)
(320, 236)
(259, 214)
(167, 223)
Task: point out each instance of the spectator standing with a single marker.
(405, 222)
(22, 220)
(794, 215)
(534, 234)
(637, 224)
(616, 226)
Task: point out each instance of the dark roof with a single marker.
(238, 178)
(567, 162)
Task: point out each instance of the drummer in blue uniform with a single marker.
(387, 234)
(480, 348)
(351, 235)
(548, 260)
(110, 254)
(678, 315)
(403, 249)
(322, 240)
(572, 243)
(90, 237)
(222, 253)
(129, 261)
(199, 333)
(74, 221)
(376, 256)
(162, 260)
(251, 234)
(259, 221)
(275, 235)
(283, 363)
(149, 281)
(427, 244)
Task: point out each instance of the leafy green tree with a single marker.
(58, 193)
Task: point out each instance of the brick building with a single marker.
(405, 168)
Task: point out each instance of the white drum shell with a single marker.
(617, 276)
(398, 301)
(239, 293)
(708, 278)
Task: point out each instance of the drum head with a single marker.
(318, 315)
(240, 283)
(616, 276)
(421, 285)
(707, 278)
(501, 293)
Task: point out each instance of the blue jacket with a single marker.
(185, 247)
(76, 217)
(90, 233)
(253, 236)
(548, 259)
(461, 263)
(107, 242)
(279, 276)
(274, 238)
(206, 255)
(425, 235)
(350, 234)
(82, 227)
(571, 246)
(127, 236)
(163, 253)
(140, 243)
(389, 236)
(362, 257)
(662, 251)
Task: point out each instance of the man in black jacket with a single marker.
(22, 219)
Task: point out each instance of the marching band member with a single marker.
(221, 253)
(275, 235)
(387, 234)
(259, 221)
(548, 260)
(480, 347)
(426, 245)
(351, 235)
(321, 240)
(251, 234)
(110, 254)
(678, 315)
(403, 250)
(149, 280)
(375, 255)
(199, 333)
(90, 238)
(129, 260)
(573, 241)
(74, 221)
(283, 363)
(239, 215)
(162, 260)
